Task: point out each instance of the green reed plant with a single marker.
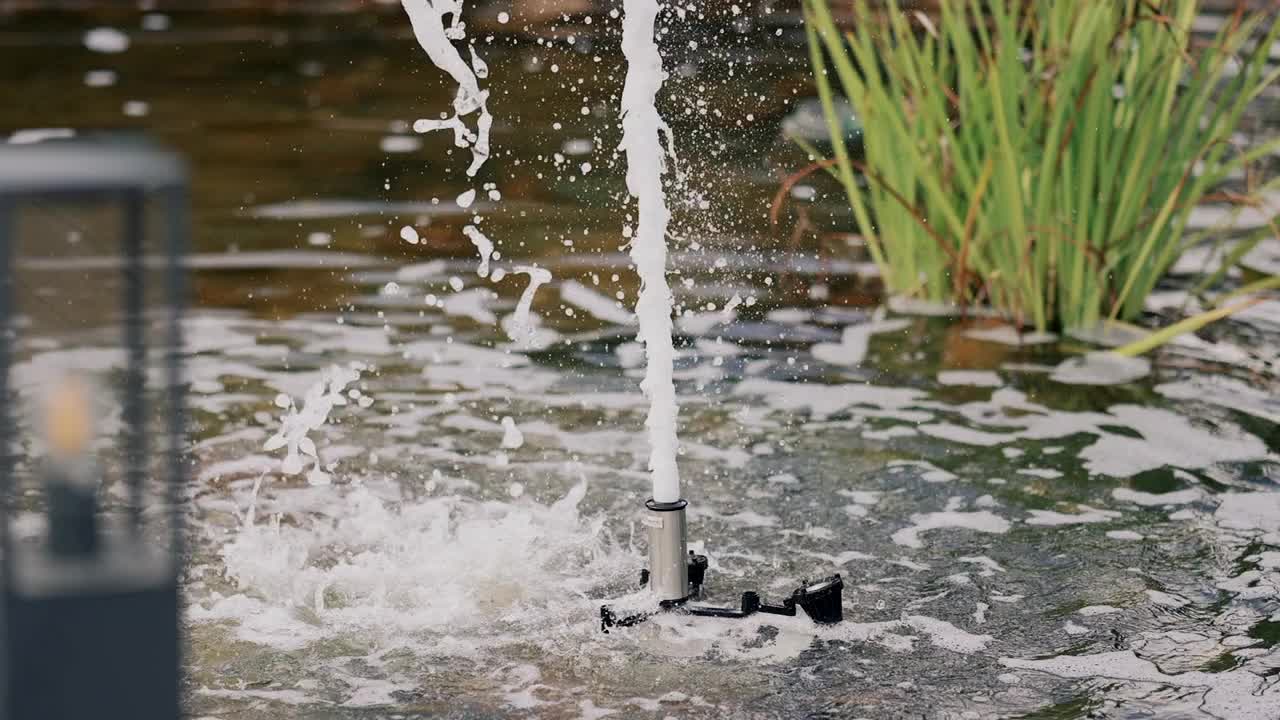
(1040, 156)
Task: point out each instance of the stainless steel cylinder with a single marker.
(668, 549)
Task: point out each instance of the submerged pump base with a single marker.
(676, 576)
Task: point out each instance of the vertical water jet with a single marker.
(642, 128)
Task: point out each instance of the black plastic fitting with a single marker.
(821, 600)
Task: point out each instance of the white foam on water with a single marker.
(891, 432)
(974, 378)
(980, 613)
(30, 136)
(512, 438)
(1125, 535)
(1265, 255)
(483, 245)
(279, 259)
(1085, 516)
(1249, 511)
(1165, 438)
(701, 323)
(1252, 585)
(1223, 351)
(1092, 610)
(982, 521)
(429, 271)
(397, 144)
(790, 316)
(966, 435)
(106, 40)
(427, 18)
(1101, 368)
(1227, 392)
(524, 680)
(744, 518)
(861, 497)
(855, 341)
(1009, 335)
(596, 304)
(338, 208)
(1163, 598)
(283, 695)
(642, 129)
(928, 471)
(1264, 315)
(1235, 217)
(577, 146)
(372, 692)
(472, 303)
(1074, 629)
(680, 635)
(947, 636)
(1163, 300)
(841, 559)
(1233, 695)
(629, 354)
(989, 567)
(823, 401)
(904, 305)
(1145, 499)
(100, 78)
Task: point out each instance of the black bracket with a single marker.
(820, 599)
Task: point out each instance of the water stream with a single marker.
(642, 129)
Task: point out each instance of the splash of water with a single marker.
(484, 246)
(465, 573)
(427, 17)
(642, 128)
(521, 327)
(297, 422)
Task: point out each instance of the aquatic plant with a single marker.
(1042, 157)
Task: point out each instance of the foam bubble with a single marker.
(106, 40)
(1101, 368)
(982, 521)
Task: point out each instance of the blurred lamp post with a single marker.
(92, 234)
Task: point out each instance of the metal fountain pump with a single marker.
(675, 577)
(92, 236)
(668, 549)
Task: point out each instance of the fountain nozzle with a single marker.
(675, 577)
(668, 550)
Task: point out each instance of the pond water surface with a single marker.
(1012, 546)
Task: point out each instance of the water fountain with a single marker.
(420, 563)
(674, 576)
